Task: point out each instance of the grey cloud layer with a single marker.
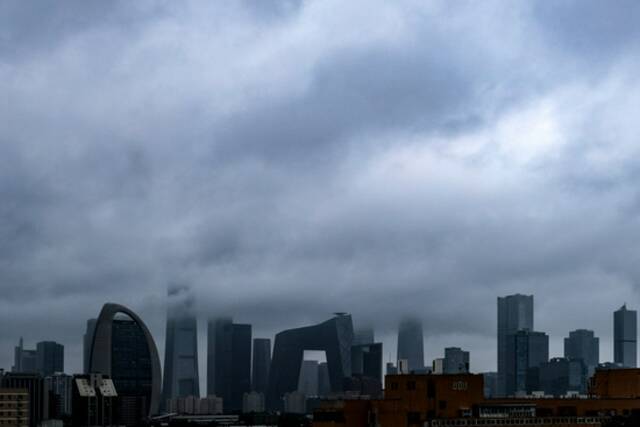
(311, 157)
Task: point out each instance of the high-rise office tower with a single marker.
(583, 344)
(230, 364)
(456, 361)
(526, 350)
(625, 337)
(411, 344)
(366, 361)
(124, 350)
(181, 377)
(261, 364)
(515, 312)
(24, 360)
(87, 341)
(49, 358)
(324, 383)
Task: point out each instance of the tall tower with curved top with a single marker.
(124, 349)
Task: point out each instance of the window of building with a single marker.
(411, 385)
(394, 385)
(442, 404)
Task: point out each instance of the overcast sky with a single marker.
(292, 159)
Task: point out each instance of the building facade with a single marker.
(33, 384)
(49, 358)
(181, 377)
(261, 364)
(87, 342)
(334, 337)
(24, 361)
(583, 344)
(230, 370)
(59, 386)
(527, 351)
(456, 361)
(124, 350)
(625, 337)
(15, 407)
(411, 344)
(515, 312)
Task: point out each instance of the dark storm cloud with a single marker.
(292, 159)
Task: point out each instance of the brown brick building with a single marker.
(458, 400)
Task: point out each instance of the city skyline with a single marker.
(291, 159)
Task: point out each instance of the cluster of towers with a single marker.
(523, 353)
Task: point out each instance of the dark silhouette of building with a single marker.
(231, 358)
(625, 337)
(33, 383)
(261, 364)
(49, 358)
(456, 361)
(87, 341)
(562, 375)
(124, 350)
(583, 344)
(95, 401)
(308, 378)
(366, 360)
(181, 378)
(528, 350)
(411, 344)
(334, 337)
(515, 312)
(324, 383)
(59, 388)
(25, 361)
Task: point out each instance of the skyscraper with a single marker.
(625, 337)
(87, 341)
(583, 344)
(411, 343)
(308, 379)
(124, 350)
(515, 312)
(24, 360)
(181, 377)
(363, 336)
(261, 364)
(49, 358)
(526, 350)
(229, 361)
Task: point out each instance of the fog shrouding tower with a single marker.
(625, 337)
(515, 313)
(411, 344)
(583, 344)
(261, 364)
(181, 377)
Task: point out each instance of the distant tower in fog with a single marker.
(411, 344)
(515, 313)
(181, 377)
(625, 337)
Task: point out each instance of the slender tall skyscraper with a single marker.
(87, 342)
(411, 343)
(526, 349)
(261, 363)
(515, 313)
(583, 344)
(181, 377)
(625, 337)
